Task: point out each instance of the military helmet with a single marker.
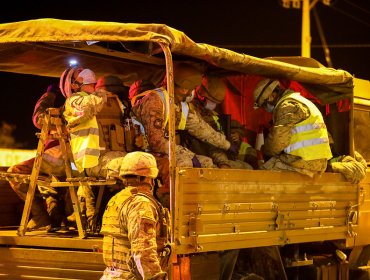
(111, 83)
(139, 164)
(214, 89)
(263, 90)
(237, 127)
(67, 78)
(140, 86)
(187, 76)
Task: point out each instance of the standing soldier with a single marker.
(135, 225)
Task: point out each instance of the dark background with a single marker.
(259, 28)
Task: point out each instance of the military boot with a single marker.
(91, 214)
(40, 219)
(71, 219)
(55, 213)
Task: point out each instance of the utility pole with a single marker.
(306, 6)
(306, 29)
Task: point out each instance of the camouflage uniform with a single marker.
(201, 125)
(149, 112)
(285, 116)
(135, 226)
(131, 237)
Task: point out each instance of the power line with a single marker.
(356, 6)
(238, 46)
(349, 15)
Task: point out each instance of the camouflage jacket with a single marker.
(131, 229)
(285, 117)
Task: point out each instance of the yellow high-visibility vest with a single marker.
(310, 137)
(84, 140)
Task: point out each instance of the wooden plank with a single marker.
(20, 263)
(61, 239)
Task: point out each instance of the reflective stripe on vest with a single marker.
(166, 104)
(243, 150)
(165, 101)
(136, 122)
(85, 144)
(184, 115)
(309, 138)
(216, 118)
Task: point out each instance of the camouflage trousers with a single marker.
(287, 162)
(184, 158)
(85, 193)
(51, 164)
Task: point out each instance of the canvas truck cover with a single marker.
(40, 47)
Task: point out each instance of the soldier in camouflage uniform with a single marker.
(135, 225)
(298, 140)
(152, 109)
(210, 139)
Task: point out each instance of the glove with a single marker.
(196, 162)
(353, 169)
(53, 88)
(233, 149)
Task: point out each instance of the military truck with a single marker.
(285, 225)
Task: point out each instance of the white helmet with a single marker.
(88, 77)
(263, 90)
(66, 80)
(139, 164)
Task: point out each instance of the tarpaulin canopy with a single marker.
(43, 47)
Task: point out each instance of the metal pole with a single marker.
(306, 33)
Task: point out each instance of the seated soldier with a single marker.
(298, 140)
(246, 152)
(152, 109)
(51, 217)
(210, 139)
(94, 124)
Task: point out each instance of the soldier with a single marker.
(152, 109)
(246, 152)
(94, 125)
(210, 139)
(49, 218)
(135, 225)
(298, 140)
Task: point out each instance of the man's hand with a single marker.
(353, 169)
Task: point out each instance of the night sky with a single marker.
(259, 28)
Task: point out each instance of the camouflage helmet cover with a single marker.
(187, 76)
(214, 89)
(139, 164)
(237, 127)
(110, 82)
(263, 90)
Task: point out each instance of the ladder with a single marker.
(53, 128)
